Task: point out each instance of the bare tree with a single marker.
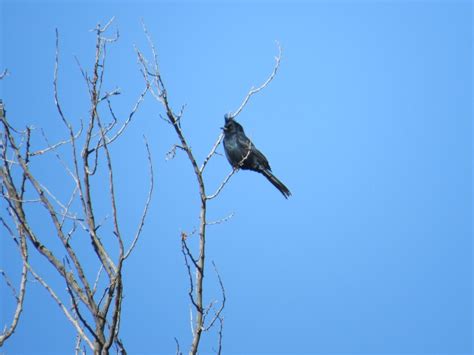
(204, 318)
(93, 301)
(19, 296)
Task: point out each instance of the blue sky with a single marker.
(368, 122)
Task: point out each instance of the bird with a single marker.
(242, 153)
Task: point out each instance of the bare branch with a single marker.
(191, 323)
(22, 200)
(78, 313)
(4, 74)
(219, 311)
(77, 348)
(172, 152)
(84, 74)
(57, 145)
(157, 76)
(73, 321)
(212, 152)
(66, 167)
(147, 203)
(221, 328)
(253, 90)
(219, 189)
(20, 297)
(114, 328)
(27, 160)
(222, 220)
(65, 212)
(186, 253)
(55, 85)
(249, 150)
(9, 161)
(55, 199)
(96, 283)
(99, 29)
(178, 352)
(7, 227)
(9, 283)
(130, 116)
(120, 348)
(108, 95)
(112, 191)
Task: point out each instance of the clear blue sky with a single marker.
(368, 122)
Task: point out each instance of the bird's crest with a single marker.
(228, 117)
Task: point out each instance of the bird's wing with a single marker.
(255, 160)
(262, 161)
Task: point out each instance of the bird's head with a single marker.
(231, 125)
(228, 119)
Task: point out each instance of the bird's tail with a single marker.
(277, 183)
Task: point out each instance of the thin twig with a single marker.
(77, 348)
(221, 308)
(100, 29)
(178, 352)
(212, 152)
(226, 180)
(96, 283)
(219, 342)
(147, 203)
(20, 296)
(112, 191)
(129, 118)
(9, 283)
(222, 220)
(219, 189)
(57, 145)
(66, 167)
(73, 321)
(21, 200)
(191, 322)
(186, 254)
(65, 211)
(78, 313)
(4, 73)
(253, 90)
(108, 95)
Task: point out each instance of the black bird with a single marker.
(241, 153)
